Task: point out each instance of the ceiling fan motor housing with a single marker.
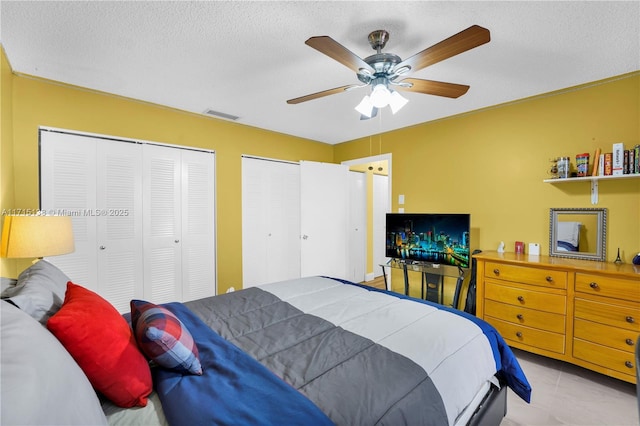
(382, 63)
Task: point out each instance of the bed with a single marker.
(314, 350)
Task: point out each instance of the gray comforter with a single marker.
(322, 337)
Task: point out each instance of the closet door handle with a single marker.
(102, 247)
(177, 241)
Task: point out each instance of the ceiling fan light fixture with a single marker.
(365, 107)
(380, 95)
(397, 101)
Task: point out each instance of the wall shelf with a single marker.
(594, 182)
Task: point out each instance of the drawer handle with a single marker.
(629, 342)
(520, 317)
(496, 271)
(594, 285)
(628, 364)
(630, 320)
(520, 299)
(549, 279)
(519, 335)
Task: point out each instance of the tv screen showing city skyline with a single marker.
(441, 238)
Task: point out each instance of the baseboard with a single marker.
(369, 277)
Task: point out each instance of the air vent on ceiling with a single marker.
(219, 114)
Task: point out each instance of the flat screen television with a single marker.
(441, 238)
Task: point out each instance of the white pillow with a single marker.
(39, 291)
(41, 382)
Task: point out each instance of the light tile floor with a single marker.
(565, 394)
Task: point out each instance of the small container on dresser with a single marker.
(580, 311)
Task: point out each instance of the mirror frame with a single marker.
(601, 245)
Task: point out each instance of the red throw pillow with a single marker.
(103, 345)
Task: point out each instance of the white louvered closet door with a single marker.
(162, 227)
(119, 222)
(198, 224)
(143, 216)
(99, 183)
(68, 184)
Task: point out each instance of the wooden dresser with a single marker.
(579, 311)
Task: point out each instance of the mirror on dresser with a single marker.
(578, 233)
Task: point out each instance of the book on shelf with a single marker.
(625, 162)
(608, 160)
(596, 160)
(618, 159)
(601, 165)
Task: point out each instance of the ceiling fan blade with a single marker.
(321, 94)
(437, 88)
(336, 51)
(473, 36)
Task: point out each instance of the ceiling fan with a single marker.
(384, 71)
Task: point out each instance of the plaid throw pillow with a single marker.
(163, 338)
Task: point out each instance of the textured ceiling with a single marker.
(247, 58)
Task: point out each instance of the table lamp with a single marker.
(36, 236)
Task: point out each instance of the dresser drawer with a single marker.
(619, 288)
(523, 274)
(529, 336)
(524, 316)
(606, 335)
(613, 359)
(525, 298)
(619, 316)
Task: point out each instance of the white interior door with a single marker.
(324, 212)
(68, 187)
(270, 221)
(356, 266)
(380, 208)
(198, 224)
(283, 238)
(119, 225)
(162, 225)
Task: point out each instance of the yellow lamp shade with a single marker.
(36, 236)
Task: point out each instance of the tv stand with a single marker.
(432, 278)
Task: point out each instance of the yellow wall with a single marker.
(44, 103)
(489, 163)
(492, 163)
(7, 191)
